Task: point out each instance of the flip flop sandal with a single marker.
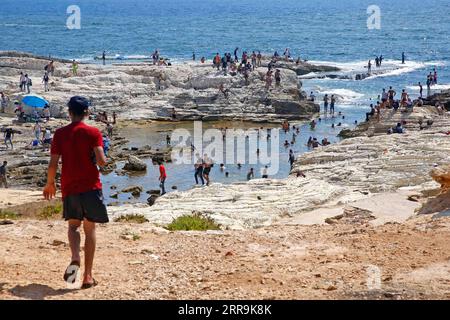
(70, 275)
(89, 285)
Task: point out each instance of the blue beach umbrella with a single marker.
(34, 101)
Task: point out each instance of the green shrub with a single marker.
(133, 218)
(50, 211)
(196, 221)
(8, 215)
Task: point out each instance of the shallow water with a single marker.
(182, 175)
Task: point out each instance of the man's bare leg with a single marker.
(74, 239)
(89, 250)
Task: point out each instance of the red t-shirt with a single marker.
(162, 171)
(75, 144)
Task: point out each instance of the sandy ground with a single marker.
(11, 197)
(348, 259)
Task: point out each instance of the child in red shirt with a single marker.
(162, 178)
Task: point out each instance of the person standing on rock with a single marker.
(22, 82)
(104, 57)
(268, 79)
(9, 135)
(216, 61)
(109, 130)
(369, 67)
(391, 95)
(45, 81)
(80, 147)
(420, 90)
(28, 83)
(74, 68)
(236, 59)
(37, 130)
(325, 104)
(253, 60)
(259, 59)
(291, 158)
(224, 65)
(3, 101)
(162, 178)
(332, 103)
(277, 78)
(3, 177)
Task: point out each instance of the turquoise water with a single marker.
(332, 32)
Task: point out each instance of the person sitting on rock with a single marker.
(223, 90)
(371, 113)
(398, 128)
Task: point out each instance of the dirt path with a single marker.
(278, 262)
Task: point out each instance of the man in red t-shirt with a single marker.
(162, 177)
(80, 148)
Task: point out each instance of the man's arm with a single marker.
(50, 189)
(100, 156)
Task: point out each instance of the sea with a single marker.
(332, 32)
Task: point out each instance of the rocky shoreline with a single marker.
(184, 91)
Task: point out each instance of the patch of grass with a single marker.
(129, 235)
(51, 211)
(196, 221)
(136, 237)
(5, 214)
(133, 218)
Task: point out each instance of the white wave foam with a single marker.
(435, 87)
(389, 67)
(343, 95)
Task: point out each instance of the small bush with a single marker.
(129, 235)
(194, 222)
(50, 211)
(8, 215)
(133, 218)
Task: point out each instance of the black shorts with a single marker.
(88, 205)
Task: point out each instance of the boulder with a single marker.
(132, 189)
(154, 192)
(295, 107)
(442, 176)
(151, 200)
(135, 164)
